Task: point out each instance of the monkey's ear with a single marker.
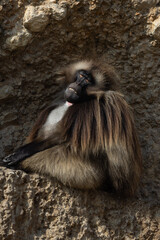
(111, 80)
(107, 85)
(60, 77)
(65, 75)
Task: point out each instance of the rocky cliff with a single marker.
(37, 38)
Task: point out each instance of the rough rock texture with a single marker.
(37, 37)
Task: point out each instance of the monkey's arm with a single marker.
(22, 153)
(28, 150)
(34, 142)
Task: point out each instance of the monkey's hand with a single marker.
(12, 159)
(26, 151)
(22, 153)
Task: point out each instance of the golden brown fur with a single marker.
(99, 146)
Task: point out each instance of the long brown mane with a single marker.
(105, 125)
(99, 123)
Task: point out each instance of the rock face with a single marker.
(35, 19)
(38, 37)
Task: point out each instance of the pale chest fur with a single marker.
(53, 118)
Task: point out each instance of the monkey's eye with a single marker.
(85, 79)
(82, 77)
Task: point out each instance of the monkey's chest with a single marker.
(54, 117)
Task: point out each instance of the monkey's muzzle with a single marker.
(73, 93)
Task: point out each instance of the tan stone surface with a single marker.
(126, 32)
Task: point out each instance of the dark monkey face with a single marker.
(76, 91)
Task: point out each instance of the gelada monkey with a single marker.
(88, 140)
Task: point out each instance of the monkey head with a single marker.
(88, 79)
(76, 91)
